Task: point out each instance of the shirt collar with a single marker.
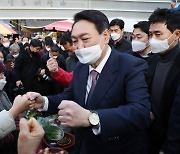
(103, 62)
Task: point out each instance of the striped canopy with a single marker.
(5, 30)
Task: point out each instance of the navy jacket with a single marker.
(121, 100)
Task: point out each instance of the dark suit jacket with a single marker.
(121, 100)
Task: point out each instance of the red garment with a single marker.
(62, 77)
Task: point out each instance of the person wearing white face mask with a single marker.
(67, 43)
(6, 44)
(140, 40)
(27, 67)
(54, 40)
(163, 77)
(25, 40)
(61, 48)
(8, 113)
(51, 87)
(118, 41)
(14, 50)
(48, 44)
(107, 101)
(10, 76)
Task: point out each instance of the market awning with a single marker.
(6, 30)
(59, 26)
(31, 29)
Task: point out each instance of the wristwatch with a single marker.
(94, 118)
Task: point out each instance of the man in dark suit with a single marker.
(114, 117)
(163, 78)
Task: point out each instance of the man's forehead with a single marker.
(158, 26)
(115, 27)
(5, 39)
(137, 31)
(83, 27)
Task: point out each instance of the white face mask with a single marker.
(115, 36)
(158, 46)
(54, 41)
(6, 45)
(16, 55)
(2, 83)
(24, 43)
(62, 47)
(138, 46)
(48, 49)
(52, 56)
(89, 55)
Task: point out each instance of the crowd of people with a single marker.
(118, 95)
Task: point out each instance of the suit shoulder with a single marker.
(128, 58)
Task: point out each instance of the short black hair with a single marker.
(54, 48)
(35, 43)
(66, 38)
(143, 26)
(168, 16)
(96, 17)
(48, 41)
(117, 22)
(58, 39)
(26, 45)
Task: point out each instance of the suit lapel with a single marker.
(104, 82)
(82, 79)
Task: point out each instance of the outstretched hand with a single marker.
(31, 134)
(36, 101)
(20, 104)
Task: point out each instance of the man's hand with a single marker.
(18, 83)
(36, 100)
(42, 72)
(52, 65)
(20, 104)
(72, 114)
(31, 134)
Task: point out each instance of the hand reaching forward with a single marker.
(72, 114)
(52, 65)
(30, 136)
(36, 101)
(20, 104)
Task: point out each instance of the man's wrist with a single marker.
(13, 112)
(24, 151)
(87, 123)
(45, 103)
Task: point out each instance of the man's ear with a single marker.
(177, 34)
(106, 35)
(122, 30)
